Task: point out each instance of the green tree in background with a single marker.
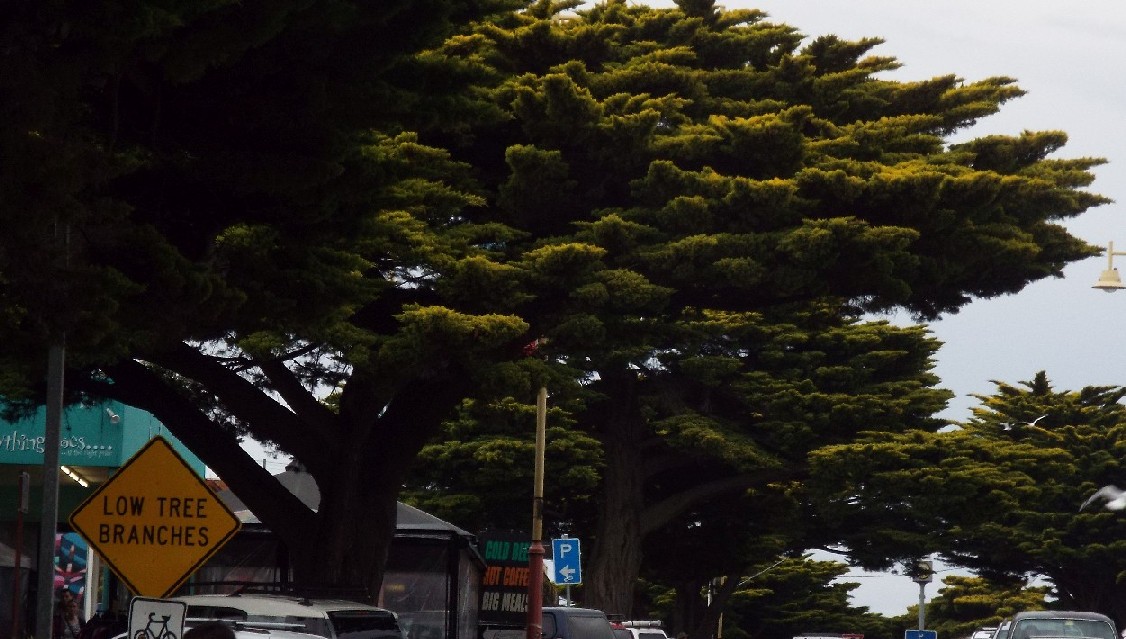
(712, 207)
(964, 604)
(798, 596)
(1000, 496)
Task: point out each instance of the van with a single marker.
(575, 623)
(322, 618)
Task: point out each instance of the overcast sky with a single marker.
(1069, 58)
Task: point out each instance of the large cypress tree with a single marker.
(1000, 495)
(709, 208)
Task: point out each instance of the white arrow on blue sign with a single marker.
(567, 560)
(920, 634)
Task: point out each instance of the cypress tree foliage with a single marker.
(708, 208)
(964, 604)
(799, 596)
(1001, 495)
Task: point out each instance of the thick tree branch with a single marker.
(415, 414)
(138, 385)
(266, 418)
(299, 398)
(664, 511)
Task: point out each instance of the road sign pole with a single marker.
(535, 551)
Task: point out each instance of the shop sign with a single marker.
(504, 585)
(90, 436)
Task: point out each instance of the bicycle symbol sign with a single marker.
(156, 618)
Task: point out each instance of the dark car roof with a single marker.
(1060, 614)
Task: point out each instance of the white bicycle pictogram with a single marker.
(163, 633)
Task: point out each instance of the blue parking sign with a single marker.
(566, 558)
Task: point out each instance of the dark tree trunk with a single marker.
(689, 608)
(349, 549)
(616, 561)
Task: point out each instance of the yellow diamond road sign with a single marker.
(155, 521)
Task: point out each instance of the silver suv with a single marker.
(328, 618)
(1058, 624)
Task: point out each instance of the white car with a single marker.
(645, 629)
(283, 614)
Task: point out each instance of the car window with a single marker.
(649, 634)
(590, 627)
(364, 624)
(622, 633)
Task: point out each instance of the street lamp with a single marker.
(924, 573)
(1110, 281)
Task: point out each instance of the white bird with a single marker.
(1031, 423)
(1112, 496)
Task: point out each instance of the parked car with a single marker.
(620, 631)
(1056, 624)
(575, 623)
(328, 618)
(645, 629)
(986, 632)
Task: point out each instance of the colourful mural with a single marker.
(71, 554)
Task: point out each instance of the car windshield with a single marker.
(1030, 628)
